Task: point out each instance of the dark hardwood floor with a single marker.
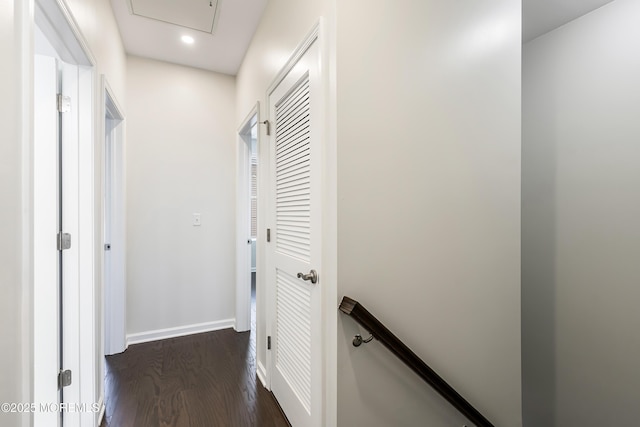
(202, 380)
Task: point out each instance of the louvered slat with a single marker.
(293, 174)
(293, 355)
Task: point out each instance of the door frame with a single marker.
(243, 220)
(55, 21)
(113, 261)
(323, 33)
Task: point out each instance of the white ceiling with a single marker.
(221, 51)
(236, 21)
(541, 16)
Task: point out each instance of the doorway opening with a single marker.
(247, 225)
(253, 177)
(114, 226)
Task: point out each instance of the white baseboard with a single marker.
(179, 331)
(262, 374)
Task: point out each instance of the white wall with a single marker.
(428, 226)
(581, 168)
(180, 160)
(429, 205)
(98, 25)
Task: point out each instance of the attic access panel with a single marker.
(197, 15)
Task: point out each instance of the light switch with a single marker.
(196, 219)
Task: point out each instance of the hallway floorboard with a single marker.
(202, 380)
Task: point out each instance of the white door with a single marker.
(56, 279)
(69, 223)
(108, 209)
(45, 199)
(294, 251)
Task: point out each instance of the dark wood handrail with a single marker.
(380, 332)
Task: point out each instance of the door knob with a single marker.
(311, 276)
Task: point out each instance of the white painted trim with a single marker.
(247, 123)
(87, 242)
(179, 331)
(302, 48)
(263, 356)
(243, 221)
(72, 40)
(102, 411)
(112, 104)
(261, 372)
(330, 221)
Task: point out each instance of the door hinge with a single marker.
(64, 241)
(64, 379)
(64, 103)
(268, 234)
(268, 126)
(269, 342)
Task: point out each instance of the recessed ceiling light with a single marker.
(188, 39)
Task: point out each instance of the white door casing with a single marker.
(295, 116)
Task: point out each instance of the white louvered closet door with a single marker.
(295, 241)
